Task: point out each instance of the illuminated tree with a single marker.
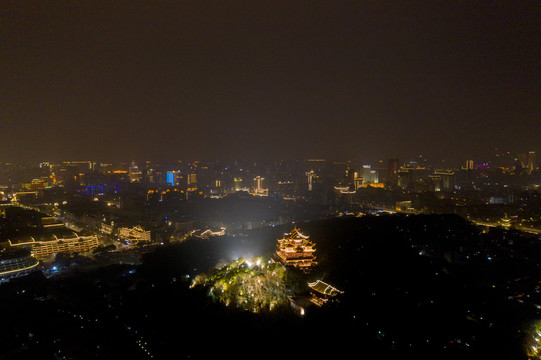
(253, 284)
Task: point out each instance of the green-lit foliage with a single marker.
(533, 341)
(252, 285)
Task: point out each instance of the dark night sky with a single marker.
(268, 79)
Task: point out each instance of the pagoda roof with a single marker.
(324, 288)
(296, 234)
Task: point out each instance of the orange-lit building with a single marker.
(296, 249)
(323, 293)
(50, 245)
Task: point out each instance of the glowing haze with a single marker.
(192, 79)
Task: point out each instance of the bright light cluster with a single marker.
(533, 342)
(253, 284)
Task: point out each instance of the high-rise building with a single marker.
(448, 180)
(258, 187)
(173, 178)
(526, 162)
(258, 183)
(403, 179)
(238, 183)
(311, 179)
(394, 166)
(357, 181)
(369, 176)
(105, 168)
(134, 173)
(170, 178)
(531, 165)
(520, 161)
(192, 179)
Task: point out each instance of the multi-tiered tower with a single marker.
(296, 249)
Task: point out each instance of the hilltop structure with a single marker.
(323, 293)
(295, 249)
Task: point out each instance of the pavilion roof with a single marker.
(324, 288)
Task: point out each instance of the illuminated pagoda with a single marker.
(296, 249)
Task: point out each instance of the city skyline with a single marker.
(267, 81)
(497, 158)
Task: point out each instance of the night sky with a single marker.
(268, 79)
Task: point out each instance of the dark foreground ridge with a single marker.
(427, 286)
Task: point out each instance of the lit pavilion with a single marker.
(323, 293)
